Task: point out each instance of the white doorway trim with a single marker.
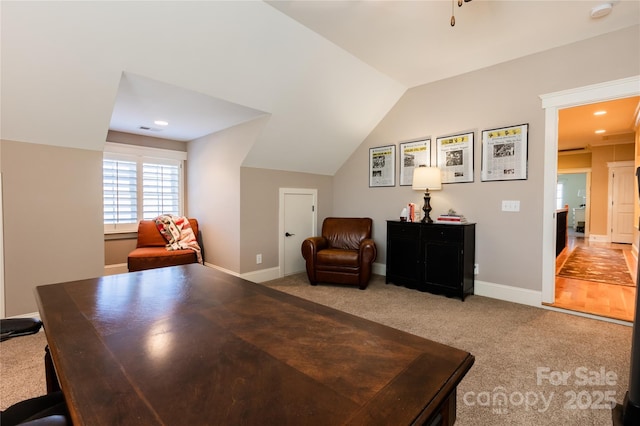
(552, 103)
(2, 298)
(281, 230)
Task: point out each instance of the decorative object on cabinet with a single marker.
(412, 154)
(438, 258)
(343, 254)
(505, 153)
(382, 166)
(425, 179)
(455, 158)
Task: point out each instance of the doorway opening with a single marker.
(553, 103)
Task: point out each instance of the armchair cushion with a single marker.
(151, 251)
(343, 254)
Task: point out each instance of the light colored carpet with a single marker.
(511, 344)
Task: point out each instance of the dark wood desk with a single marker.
(190, 345)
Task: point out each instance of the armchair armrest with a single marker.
(368, 252)
(312, 245)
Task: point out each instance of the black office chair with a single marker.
(46, 410)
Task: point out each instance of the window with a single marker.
(140, 183)
(559, 195)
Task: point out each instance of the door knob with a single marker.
(286, 234)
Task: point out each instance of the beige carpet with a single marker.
(511, 343)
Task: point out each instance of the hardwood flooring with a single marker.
(606, 300)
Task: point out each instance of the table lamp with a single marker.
(425, 179)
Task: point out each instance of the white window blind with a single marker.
(119, 180)
(160, 186)
(139, 183)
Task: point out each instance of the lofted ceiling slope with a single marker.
(63, 64)
(326, 72)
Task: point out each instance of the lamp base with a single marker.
(426, 208)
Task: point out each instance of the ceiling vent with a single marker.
(150, 129)
(569, 151)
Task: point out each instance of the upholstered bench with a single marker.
(151, 251)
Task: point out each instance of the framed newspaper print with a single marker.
(455, 157)
(382, 166)
(412, 155)
(504, 153)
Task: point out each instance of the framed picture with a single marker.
(455, 157)
(382, 166)
(413, 154)
(505, 153)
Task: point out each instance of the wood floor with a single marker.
(606, 300)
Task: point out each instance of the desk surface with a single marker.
(193, 345)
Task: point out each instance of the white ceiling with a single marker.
(141, 102)
(326, 72)
(414, 43)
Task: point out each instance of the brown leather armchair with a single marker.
(343, 254)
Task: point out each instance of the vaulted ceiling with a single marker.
(324, 72)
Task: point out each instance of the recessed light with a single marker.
(600, 131)
(602, 112)
(601, 10)
(161, 123)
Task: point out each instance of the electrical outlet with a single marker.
(259, 258)
(476, 269)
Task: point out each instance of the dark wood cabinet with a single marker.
(437, 258)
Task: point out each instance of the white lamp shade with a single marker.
(427, 178)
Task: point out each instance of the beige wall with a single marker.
(53, 231)
(214, 189)
(574, 161)
(260, 208)
(40, 181)
(508, 245)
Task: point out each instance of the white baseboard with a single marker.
(262, 275)
(599, 238)
(507, 293)
(379, 269)
(29, 315)
(117, 268)
(253, 276)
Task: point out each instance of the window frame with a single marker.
(140, 154)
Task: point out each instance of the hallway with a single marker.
(607, 300)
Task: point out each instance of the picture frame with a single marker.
(413, 154)
(505, 153)
(382, 166)
(455, 157)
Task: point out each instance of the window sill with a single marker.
(120, 236)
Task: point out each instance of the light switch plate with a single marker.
(510, 205)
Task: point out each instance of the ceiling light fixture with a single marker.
(601, 10)
(600, 112)
(453, 18)
(600, 131)
(161, 123)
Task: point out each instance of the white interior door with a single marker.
(622, 199)
(298, 221)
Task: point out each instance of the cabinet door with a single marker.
(403, 254)
(443, 264)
